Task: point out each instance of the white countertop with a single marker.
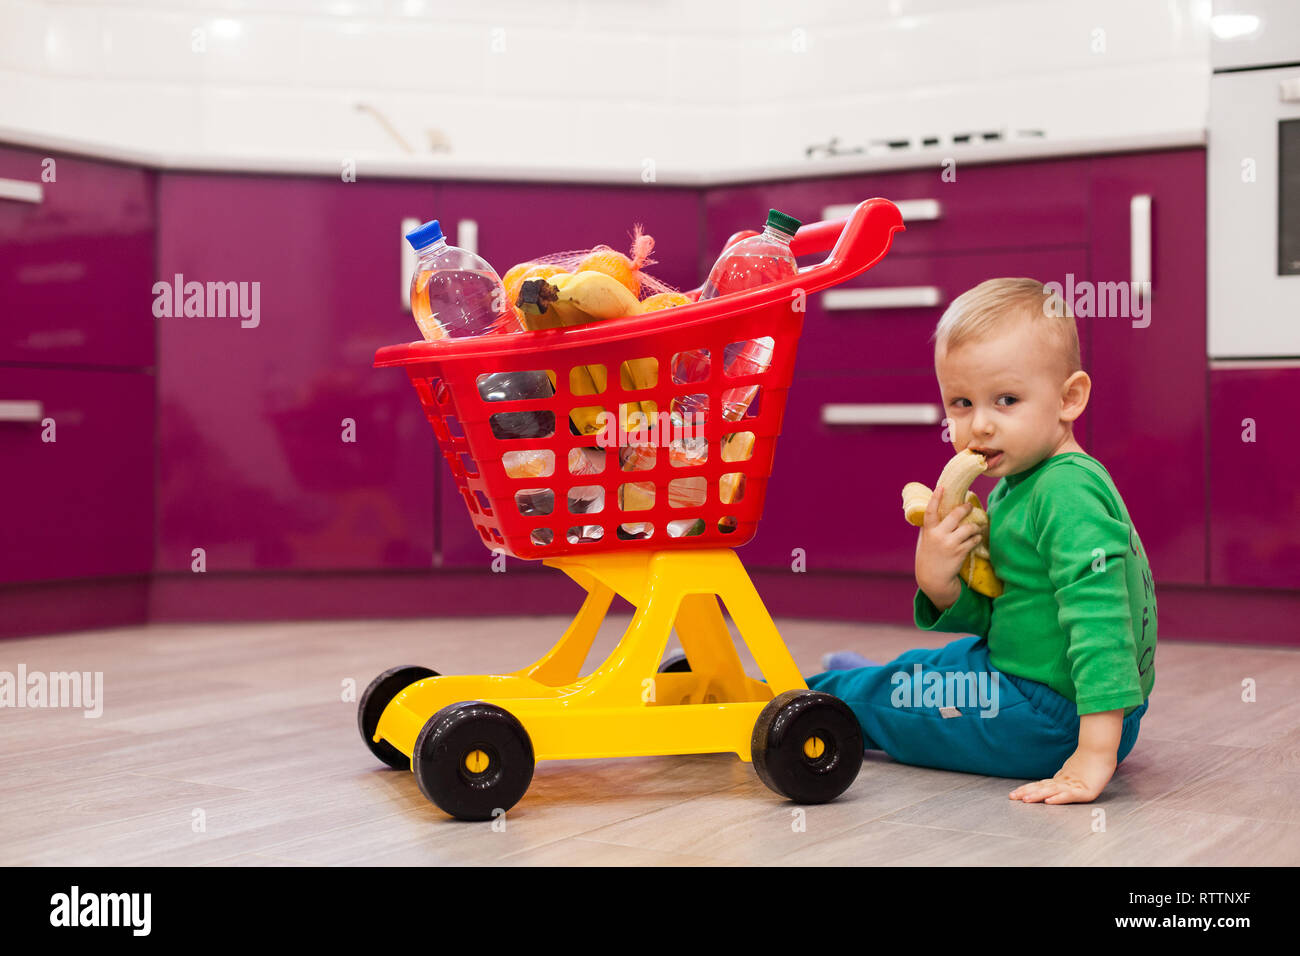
(445, 168)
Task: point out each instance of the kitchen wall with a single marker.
(599, 82)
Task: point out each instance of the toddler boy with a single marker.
(1053, 680)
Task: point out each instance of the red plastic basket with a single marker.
(446, 373)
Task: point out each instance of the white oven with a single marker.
(1253, 170)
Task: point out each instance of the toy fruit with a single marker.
(956, 479)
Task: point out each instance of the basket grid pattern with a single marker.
(462, 422)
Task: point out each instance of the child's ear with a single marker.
(1074, 395)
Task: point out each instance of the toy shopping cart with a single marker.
(473, 741)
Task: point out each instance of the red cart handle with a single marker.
(855, 242)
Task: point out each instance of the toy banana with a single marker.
(956, 479)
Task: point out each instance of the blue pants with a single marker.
(980, 721)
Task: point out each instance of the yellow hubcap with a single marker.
(476, 761)
(814, 747)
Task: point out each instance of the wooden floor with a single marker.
(232, 745)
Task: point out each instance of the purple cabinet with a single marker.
(1148, 369)
(280, 446)
(79, 475)
(76, 261)
(520, 222)
(1254, 495)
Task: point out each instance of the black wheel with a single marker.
(807, 746)
(675, 664)
(379, 695)
(472, 759)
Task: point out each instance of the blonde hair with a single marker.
(995, 303)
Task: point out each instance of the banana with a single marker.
(568, 315)
(958, 474)
(535, 302)
(593, 296)
(599, 295)
(956, 479)
(978, 573)
(737, 446)
(916, 498)
(583, 383)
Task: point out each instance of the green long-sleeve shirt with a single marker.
(1078, 607)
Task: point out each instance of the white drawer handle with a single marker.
(881, 414)
(900, 297)
(1139, 224)
(912, 210)
(408, 261)
(22, 191)
(21, 411)
(467, 235)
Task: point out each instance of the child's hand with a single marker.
(1081, 780)
(941, 548)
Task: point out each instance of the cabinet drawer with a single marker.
(884, 319)
(870, 435)
(81, 505)
(76, 261)
(1006, 206)
(1254, 494)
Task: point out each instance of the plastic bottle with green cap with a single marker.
(747, 264)
(755, 261)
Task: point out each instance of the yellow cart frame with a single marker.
(624, 707)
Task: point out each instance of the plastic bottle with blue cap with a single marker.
(454, 293)
(457, 294)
